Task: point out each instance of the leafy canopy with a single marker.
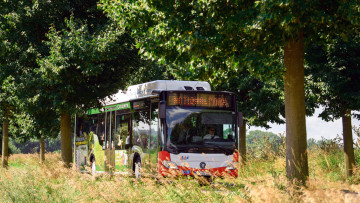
(240, 34)
(336, 66)
(83, 68)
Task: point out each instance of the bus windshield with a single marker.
(200, 130)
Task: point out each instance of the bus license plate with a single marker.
(203, 173)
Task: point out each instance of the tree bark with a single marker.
(42, 150)
(5, 141)
(66, 148)
(349, 158)
(242, 142)
(296, 154)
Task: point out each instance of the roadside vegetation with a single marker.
(263, 178)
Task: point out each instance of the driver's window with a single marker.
(228, 132)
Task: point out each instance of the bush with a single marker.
(265, 145)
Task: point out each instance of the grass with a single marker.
(260, 180)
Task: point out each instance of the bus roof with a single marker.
(145, 89)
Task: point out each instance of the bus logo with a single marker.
(202, 165)
(184, 158)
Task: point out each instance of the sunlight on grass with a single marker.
(260, 180)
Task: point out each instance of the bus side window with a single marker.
(228, 133)
(91, 128)
(122, 133)
(93, 124)
(141, 129)
(79, 126)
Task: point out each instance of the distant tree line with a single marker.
(268, 145)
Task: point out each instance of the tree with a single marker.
(311, 143)
(22, 30)
(7, 98)
(336, 66)
(149, 70)
(35, 122)
(251, 34)
(23, 27)
(64, 65)
(82, 69)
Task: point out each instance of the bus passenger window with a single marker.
(141, 129)
(79, 127)
(122, 134)
(93, 124)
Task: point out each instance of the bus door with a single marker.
(141, 133)
(99, 142)
(109, 151)
(153, 150)
(81, 143)
(121, 140)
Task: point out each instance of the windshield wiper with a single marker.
(172, 148)
(227, 151)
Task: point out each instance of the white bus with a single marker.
(164, 127)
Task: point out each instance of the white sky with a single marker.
(315, 127)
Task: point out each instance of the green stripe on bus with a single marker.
(109, 108)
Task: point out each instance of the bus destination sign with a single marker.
(210, 100)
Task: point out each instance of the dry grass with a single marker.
(260, 181)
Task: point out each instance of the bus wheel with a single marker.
(205, 180)
(137, 168)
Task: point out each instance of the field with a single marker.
(261, 180)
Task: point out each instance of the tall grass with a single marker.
(26, 180)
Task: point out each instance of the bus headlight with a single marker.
(169, 164)
(230, 166)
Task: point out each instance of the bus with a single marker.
(161, 127)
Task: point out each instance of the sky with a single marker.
(315, 127)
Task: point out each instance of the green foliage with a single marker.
(330, 145)
(149, 71)
(12, 147)
(50, 64)
(357, 131)
(33, 145)
(357, 137)
(97, 63)
(312, 143)
(265, 145)
(336, 67)
(211, 33)
(332, 164)
(239, 34)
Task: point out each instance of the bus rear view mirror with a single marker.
(240, 118)
(162, 109)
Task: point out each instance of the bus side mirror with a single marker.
(240, 118)
(162, 110)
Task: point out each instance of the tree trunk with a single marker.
(5, 141)
(348, 144)
(296, 155)
(66, 148)
(242, 142)
(42, 150)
